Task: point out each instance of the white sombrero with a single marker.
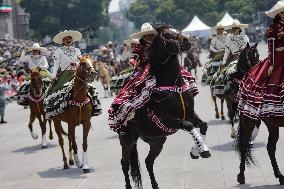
(37, 47)
(76, 36)
(128, 42)
(276, 9)
(146, 29)
(219, 26)
(236, 24)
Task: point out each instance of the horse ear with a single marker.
(255, 45)
(247, 45)
(30, 70)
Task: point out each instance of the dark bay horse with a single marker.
(77, 113)
(248, 58)
(171, 110)
(246, 135)
(36, 107)
(243, 146)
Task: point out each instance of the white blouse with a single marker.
(218, 43)
(234, 44)
(63, 57)
(34, 61)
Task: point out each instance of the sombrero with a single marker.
(276, 9)
(76, 36)
(146, 29)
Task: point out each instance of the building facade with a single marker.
(13, 20)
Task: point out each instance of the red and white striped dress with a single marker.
(261, 95)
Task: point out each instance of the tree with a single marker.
(48, 17)
(179, 12)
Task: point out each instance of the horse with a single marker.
(248, 58)
(243, 146)
(77, 112)
(191, 61)
(36, 107)
(164, 114)
(104, 76)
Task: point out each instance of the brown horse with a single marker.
(77, 113)
(36, 107)
(104, 76)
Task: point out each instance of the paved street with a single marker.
(24, 165)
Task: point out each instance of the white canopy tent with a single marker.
(227, 20)
(197, 28)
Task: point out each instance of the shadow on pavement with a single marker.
(113, 137)
(247, 186)
(215, 122)
(227, 147)
(73, 173)
(33, 149)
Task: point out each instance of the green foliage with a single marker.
(48, 17)
(179, 12)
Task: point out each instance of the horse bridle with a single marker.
(166, 49)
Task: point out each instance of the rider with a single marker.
(235, 43)
(35, 60)
(261, 92)
(217, 50)
(65, 64)
(130, 45)
(139, 86)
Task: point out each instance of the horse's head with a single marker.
(36, 87)
(248, 58)
(166, 44)
(85, 70)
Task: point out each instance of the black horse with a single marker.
(175, 110)
(245, 135)
(248, 58)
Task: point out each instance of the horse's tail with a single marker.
(242, 144)
(135, 167)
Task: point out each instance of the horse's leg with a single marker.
(58, 129)
(155, 149)
(217, 115)
(50, 130)
(271, 148)
(243, 145)
(222, 109)
(127, 142)
(203, 130)
(71, 133)
(231, 112)
(86, 129)
(71, 160)
(32, 119)
(42, 123)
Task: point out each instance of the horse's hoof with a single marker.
(86, 170)
(281, 180)
(43, 147)
(71, 162)
(217, 116)
(193, 156)
(223, 117)
(233, 135)
(241, 179)
(65, 167)
(50, 137)
(128, 187)
(205, 154)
